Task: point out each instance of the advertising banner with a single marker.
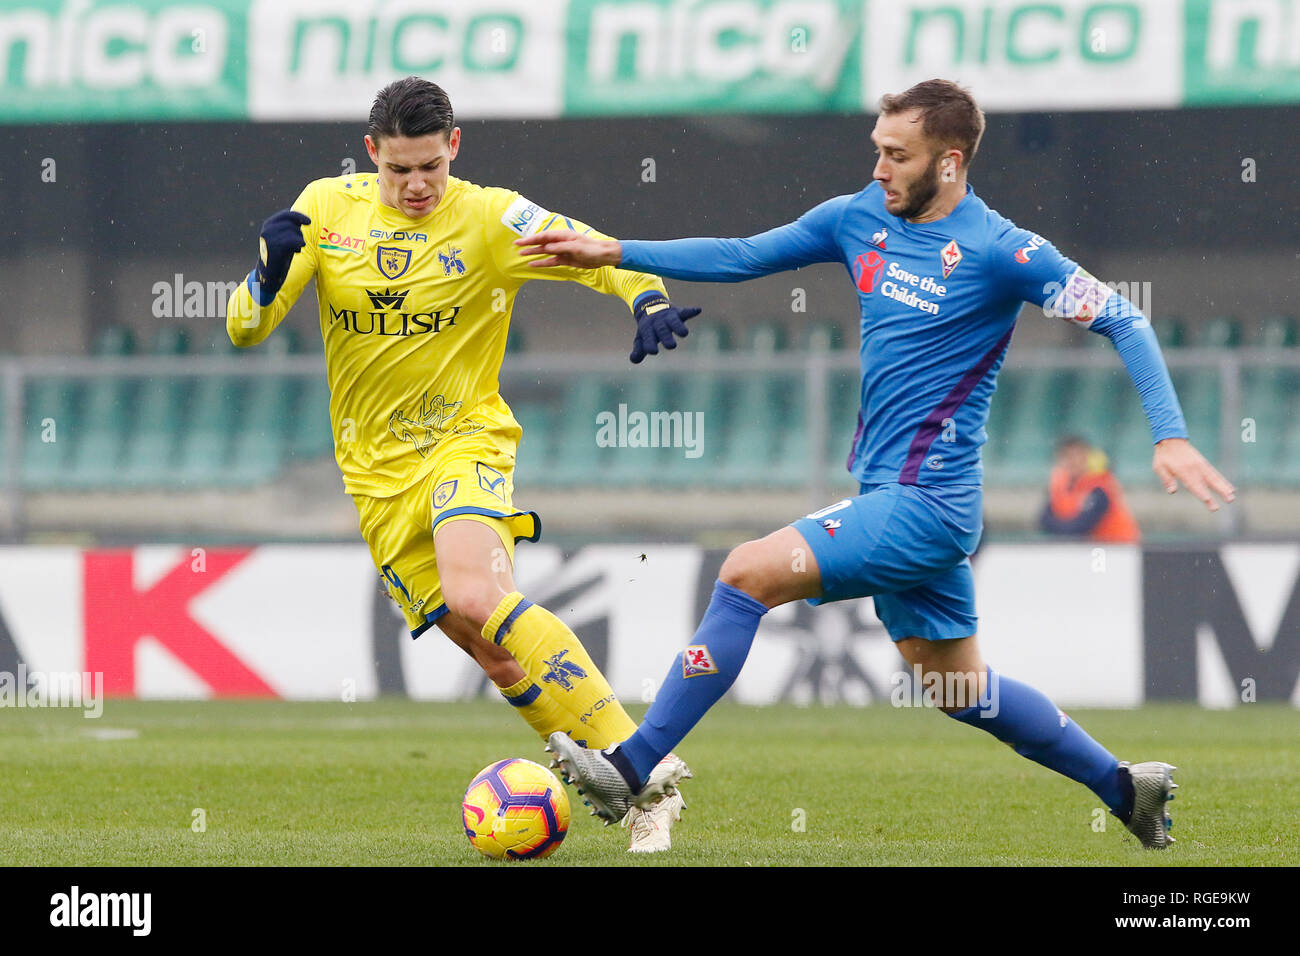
(276, 60)
(1112, 627)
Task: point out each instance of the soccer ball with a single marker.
(515, 810)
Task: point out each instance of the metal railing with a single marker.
(557, 371)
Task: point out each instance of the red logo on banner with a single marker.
(118, 615)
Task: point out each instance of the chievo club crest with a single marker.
(392, 261)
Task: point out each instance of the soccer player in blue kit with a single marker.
(941, 278)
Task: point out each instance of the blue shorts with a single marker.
(907, 546)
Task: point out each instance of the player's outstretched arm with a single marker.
(809, 239)
(1177, 462)
(1037, 272)
(564, 247)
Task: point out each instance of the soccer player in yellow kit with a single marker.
(416, 276)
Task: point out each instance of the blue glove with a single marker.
(657, 322)
(281, 239)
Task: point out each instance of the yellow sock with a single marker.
(537, 706)
(555, 659)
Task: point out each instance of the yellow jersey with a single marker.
(414, 315)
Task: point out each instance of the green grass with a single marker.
(380, 783)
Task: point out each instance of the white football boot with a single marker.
(1153, 786)
(599, 782)
(650, 825)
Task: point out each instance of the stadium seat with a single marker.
(1170, 331)
(310, 435)
(212, 422)
(1200, 393)
(576, 463)
(823, 334)
(692, 392)
(108, 406)
(514, 340)
(1270, 397)
(761, 416)
(1220, 332)
(1098, 397)
(1275, 332)
(51, 420)
(154, 432)
(1034, 424)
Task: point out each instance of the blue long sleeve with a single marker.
(1122, 323)
(809, 239)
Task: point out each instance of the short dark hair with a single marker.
(410, 107)
(949, 114)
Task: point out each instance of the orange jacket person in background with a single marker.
(1085, 499)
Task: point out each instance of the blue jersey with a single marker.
(938, 304)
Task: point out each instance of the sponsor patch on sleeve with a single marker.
(524, 217)
(1081, 299)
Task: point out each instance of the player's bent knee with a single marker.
(742, 569)
(473, 604)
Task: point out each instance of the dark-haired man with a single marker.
(416, 278)
(940, 278)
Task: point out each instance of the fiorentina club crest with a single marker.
(697, 660)
(950, 255)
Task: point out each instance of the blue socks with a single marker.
(1023, 717)
(1013, 712)
(700, 675)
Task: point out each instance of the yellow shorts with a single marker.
(472, 480)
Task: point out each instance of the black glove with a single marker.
(658, 323)
(281, 239)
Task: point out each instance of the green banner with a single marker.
(272, 60)
(1241, 53)
(122, 59)
(665, 56)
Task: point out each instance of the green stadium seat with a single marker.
(108, 405)
(1220, 332)
(538, 449)
(1276, 332)
(51, 420)
(283, 341)
(1099, 396)
(310, 435)
(762, 408)
(1170, 331)
(1033, 424)
(578, 460)
(824, 335)
(154, 433)
(113, 340)
(514, 340)
(213, 419)
(845, 402)
(1200, 393)
(1270, 396)
(698, 392)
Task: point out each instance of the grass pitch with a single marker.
(380, 784)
